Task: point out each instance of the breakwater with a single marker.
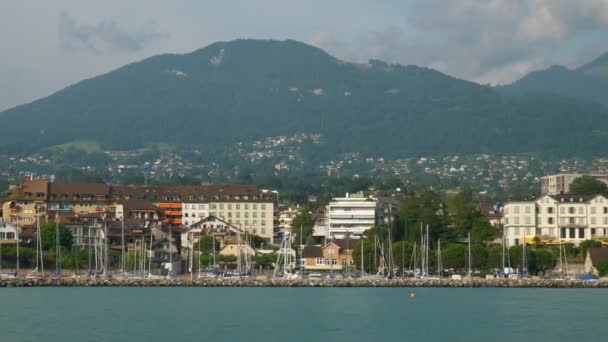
(258, 282)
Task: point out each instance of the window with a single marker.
(563, 233)
(527, 219)
(527, 210)
(263, 206)
(229, 214)
(581, 233)
(263, 223)
(562, 210)
(334, 261)
(201, 207)
(516, 219)
(330, 251)
(221, 206)
(592, 210)
(237, 206)
(572, 233)
(263, 230)
(254, 206)
(570, 210)
(592, 232)
(344, 262)
(319, 261)
(254, 214)
(550, 210)
(246, 214)
(246, 206)
(605, 210)
(516, 231)
(571, 220)
(592, 220)
(238, 215)
(229, 206)
(263, 214)
(581, 210)
(550, 220)
(516, 209)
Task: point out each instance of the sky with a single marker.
(48, 45)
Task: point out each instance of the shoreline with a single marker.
(319, 283)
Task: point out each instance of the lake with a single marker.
(301, 314)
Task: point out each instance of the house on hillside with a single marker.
(595, 255)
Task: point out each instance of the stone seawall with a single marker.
(253, 282)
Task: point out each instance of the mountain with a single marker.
(249, 89)
(588, 82)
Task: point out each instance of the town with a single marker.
(237, 230)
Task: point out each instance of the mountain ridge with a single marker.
(247, 89)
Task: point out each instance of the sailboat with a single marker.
(57, 273)
(38, 271)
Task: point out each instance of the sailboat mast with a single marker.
(122, 243)
(470, 269)
(57, 252)
(362, 269)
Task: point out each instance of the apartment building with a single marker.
(560, 183)
(23, 203)
(551, 219)
(286, 215)
(244, 206)
(352, 215)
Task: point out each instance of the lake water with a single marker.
(301, 314)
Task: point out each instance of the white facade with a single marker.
(256, 218)
(286, 216)
(565, 218)
(8, 233)
(194, 212)
(350, 215)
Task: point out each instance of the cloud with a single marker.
(490, 41)
(104, 36)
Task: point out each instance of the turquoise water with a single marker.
(304, 314)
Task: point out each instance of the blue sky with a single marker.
(48, 45)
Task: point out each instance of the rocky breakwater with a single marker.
(264, 282)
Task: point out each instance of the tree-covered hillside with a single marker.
(248, 89)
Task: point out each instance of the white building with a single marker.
(551, 219)
(352, 214)
(8, 233)
(194, 212)
(286, 216)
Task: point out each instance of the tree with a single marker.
(402, 254)
(461, 211)
(368, 255)
(47, 233)
(453, 256)
(422, 209)
(584, 246)
(545, 259)
(602, 268)
(205, 244)
(479, 256)
(265, 260)
(482, 230)
(516, 257)
(587, 185)
(494, 260)
(304, 220)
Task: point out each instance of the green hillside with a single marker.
(248, 89)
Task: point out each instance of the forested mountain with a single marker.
(248, 89)
(587, 83)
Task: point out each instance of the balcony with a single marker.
(571, 225)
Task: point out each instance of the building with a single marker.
(23, 203)
(286, 216)
(560, 183)
(352, 215)
(221, 230)
(336, 255)
(595, 256)
(9, 233)
(551, 219)
(244, 206)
